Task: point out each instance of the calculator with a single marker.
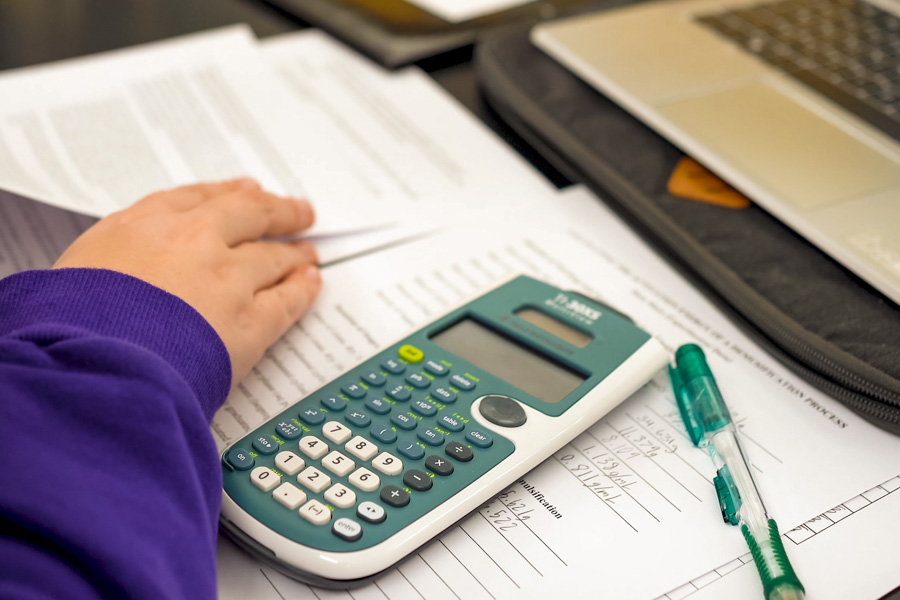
(358, 475)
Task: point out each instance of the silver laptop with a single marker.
(794, 102)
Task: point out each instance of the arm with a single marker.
(110, 483)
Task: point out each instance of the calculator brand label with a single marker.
(580, 311)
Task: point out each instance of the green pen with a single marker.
(709, 424)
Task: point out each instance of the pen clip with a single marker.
(698, 397)
(685, 404)
(729, 496)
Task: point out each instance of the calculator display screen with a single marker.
(555, 326)
(521, 366)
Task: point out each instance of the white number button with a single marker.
(361, 448)
(264, 478)
(313, 447)
(289, 463)
(388, 464)
(315, 512)
(365, 480)
(338, 464)
(314, 479)
(341, 496)
(289, 495)
(336, 432)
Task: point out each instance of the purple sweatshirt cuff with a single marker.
(115, 305)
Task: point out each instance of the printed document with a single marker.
(390, 154)
(632, 489)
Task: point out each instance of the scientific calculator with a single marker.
(356, 476)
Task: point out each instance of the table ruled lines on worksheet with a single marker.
(639, 462)
(795, 537)
(494, 553)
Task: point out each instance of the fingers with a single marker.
(190, 196)
(244, 215)
(264, 264)
(280, 306)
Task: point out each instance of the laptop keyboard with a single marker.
(847, 50)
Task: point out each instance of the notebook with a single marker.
(794, 102)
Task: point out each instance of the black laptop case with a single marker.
(812, 314)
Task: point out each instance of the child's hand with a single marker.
(202, 243)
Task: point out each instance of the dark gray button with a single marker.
(458, 451)
(394, 496)
(438, 465)
(417, 480)
(503, 411)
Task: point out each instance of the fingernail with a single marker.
(310, 214)
(308, 249)
(313, 275)
(248, 183)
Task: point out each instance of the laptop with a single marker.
(795, 102)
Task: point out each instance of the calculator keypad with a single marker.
(355, 452)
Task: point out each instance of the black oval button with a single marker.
(503, 411)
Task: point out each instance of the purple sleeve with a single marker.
(109, 477)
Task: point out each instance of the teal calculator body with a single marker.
(359, 474)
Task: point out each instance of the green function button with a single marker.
(479, 438)
(435, 368)
(240, 459)
(265, 445)
(444, 395)
(392, 366)
(411, 354)
(374, 378)
(288, 430)
(451, 422)
(463, 383)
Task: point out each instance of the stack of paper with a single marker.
(392, 163)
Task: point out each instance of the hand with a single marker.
(202, 244)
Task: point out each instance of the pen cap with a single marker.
(696, 393)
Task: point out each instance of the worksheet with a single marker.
(455, 11)
(846, 552)
(629, 495)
